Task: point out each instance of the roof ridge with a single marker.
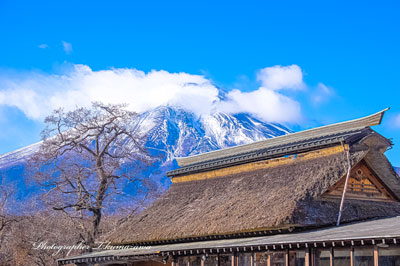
(360, 123)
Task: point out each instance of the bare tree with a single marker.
(8, 219)
(5, 218)
(7, 192)
(89, 158)
(30, 240)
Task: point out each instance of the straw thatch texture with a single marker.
(278, 197)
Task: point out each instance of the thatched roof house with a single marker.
(287, 184)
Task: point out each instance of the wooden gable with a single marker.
(363, 184)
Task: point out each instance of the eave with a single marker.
(384, 231)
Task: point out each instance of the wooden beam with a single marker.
(252, 259)
(233, 260)
(332, 257)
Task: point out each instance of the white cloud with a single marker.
(321, 94)
(67, 47)
(266, 104)
(281, 77)
(37, 94)
(395, 121)
(43, 46)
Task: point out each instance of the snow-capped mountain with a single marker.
(178, 133)
(175, 132)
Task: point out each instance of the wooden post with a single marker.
(269, 259)
(252, 259)
(202, 261)
(287, 258)
(332, 257)
(173, 263)
(312, 253)
(233, 260)
(376, 256)
(352, 256)
(307, 258)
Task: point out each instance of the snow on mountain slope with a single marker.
(178, 133)
(175, 132)
(18, 156)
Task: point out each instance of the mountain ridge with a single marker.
(216, 131)
(174, 132)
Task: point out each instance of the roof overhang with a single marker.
(383, 231)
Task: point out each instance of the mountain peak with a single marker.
(175, 132)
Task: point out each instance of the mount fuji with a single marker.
(172, 132)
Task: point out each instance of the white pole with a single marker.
(345, 187)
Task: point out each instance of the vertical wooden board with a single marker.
(287, 258)
(376, 256)
(313, 257)
(307, 261)
(352, 256)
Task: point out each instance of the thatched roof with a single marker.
(291, 182)
(283, 194)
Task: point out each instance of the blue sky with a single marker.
(347, 53)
